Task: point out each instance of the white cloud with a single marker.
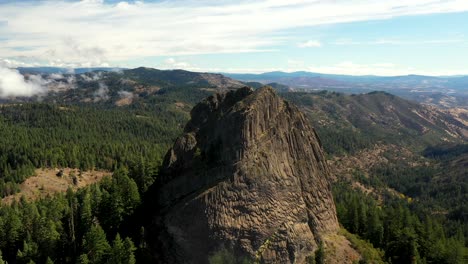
(14, 63)
(310, 44)
(12, 83)
(172, 63)
(102, 93)
(56, 76)
(93, 33)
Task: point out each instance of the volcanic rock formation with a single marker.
(248, 177)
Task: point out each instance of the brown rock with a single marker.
(249, 176)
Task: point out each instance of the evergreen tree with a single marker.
(129, 251)
(29, 251)
(120, 197)
(86, 213)
(118, 251)
(122, 251)
(83, 259)
(95, 245)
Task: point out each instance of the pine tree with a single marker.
(129, 251)
(86, 214)
(118, 251)
(95, 244)
(375, 229)
(118, 200)
(29, 251)
(83, 259)
(122, 251)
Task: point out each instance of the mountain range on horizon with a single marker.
(441, 91)
(52, 69)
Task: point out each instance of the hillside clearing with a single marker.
(46, 182)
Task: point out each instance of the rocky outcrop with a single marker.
(248, 176)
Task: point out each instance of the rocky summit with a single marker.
(249, 178)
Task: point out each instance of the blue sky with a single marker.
(357, 37)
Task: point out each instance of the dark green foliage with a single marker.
(95, 245)
(83, 259)
(122, 252)
(225, 256)
(169, 79)
(41, 135)
(119, 198)
(347, 123)
(343, 140)
(438, 186)
(75, 227)
(72, 227)
(404, 236)
(222, 256)
(446, 151)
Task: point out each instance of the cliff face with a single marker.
(249, 176)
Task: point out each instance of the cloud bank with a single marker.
(94, 33)
(13, 84)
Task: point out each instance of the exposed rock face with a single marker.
(248, 175)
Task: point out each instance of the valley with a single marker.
(233, 132)
(392, 165)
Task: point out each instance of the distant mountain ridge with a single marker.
(376, 112)
(61, 70)
(442, 91)
(344, 77)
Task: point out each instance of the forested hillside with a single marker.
(409, 201)
(401, 179)
(89, 130)
(46, 135)
(351, 122)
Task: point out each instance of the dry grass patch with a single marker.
(338, 249)
(47, 182)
